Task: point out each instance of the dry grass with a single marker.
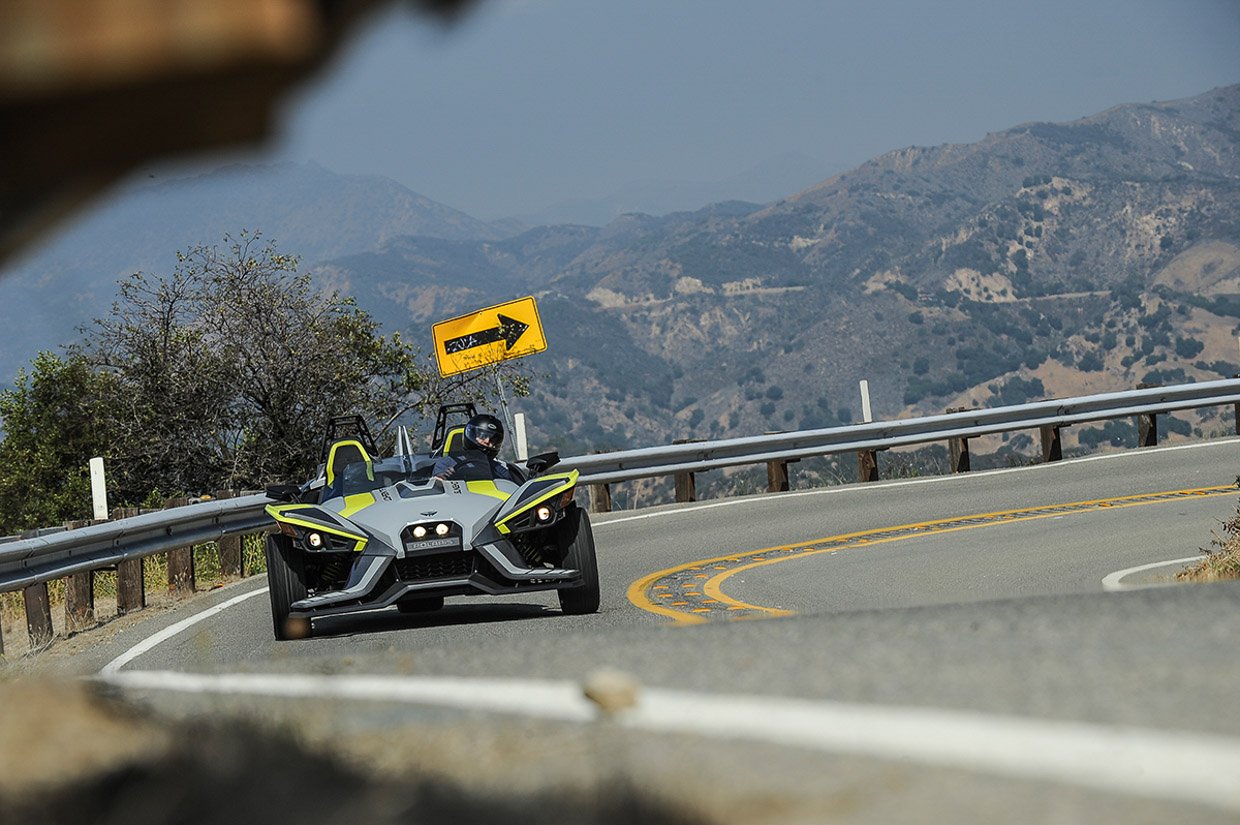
(1222, 557)
(207, 575)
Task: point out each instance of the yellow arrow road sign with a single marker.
(490, 335)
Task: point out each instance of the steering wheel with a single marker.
(455, 470)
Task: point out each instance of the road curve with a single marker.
(1000, 618)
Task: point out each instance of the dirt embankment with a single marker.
(70, 754)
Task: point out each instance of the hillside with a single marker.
(1048, 259)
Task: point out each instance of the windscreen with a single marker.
(464, 465)
(366, 476)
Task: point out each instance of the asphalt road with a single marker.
(1002, 617)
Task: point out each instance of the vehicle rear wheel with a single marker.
(577, 541)
(426, 604)
(286, 581)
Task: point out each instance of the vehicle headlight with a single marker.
(419, 532)
(441, 529)
(315, 540)
(544, 513)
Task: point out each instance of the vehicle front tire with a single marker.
(286, 583)
(577, 540)
(426, 604)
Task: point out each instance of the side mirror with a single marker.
(543, 461)
(284, 492)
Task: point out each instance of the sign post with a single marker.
(503, 405)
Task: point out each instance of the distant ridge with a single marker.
(1049, 259)
(1046, 259)
(306, 209)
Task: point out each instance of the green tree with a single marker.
(54, 421)
(229, 368)
(172, 408)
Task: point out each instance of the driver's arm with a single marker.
(444, 468)
(513, 473)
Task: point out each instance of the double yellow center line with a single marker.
(693, 593)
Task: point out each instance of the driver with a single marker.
(483, 433)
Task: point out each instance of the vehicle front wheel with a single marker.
(286, 583)
(577, 541)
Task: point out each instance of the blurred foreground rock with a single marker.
(69, 755)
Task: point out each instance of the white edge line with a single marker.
(843, 489)
(1139, 762)
(1112, 582)
(114, 666)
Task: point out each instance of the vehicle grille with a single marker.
(534, 553)
(437, 566)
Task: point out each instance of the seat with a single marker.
(343, 454)
(453, 442)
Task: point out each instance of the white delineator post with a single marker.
(98, 489)
(867, 460)
(523, 450)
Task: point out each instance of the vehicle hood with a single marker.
(387, 511)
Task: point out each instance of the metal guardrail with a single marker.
(56, 553)
(625, 465)
(29, 561)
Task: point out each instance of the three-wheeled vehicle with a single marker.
(370, 532)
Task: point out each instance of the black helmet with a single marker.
(484, 427)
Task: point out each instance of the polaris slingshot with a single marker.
(370, 532)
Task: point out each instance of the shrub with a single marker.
(1188, 347)
(1090, 362)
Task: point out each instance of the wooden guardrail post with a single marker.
(130, 581)
(777, 476)
(1052, 445)
(180, 561)
(38, 607)
(959, 447)
(686, 487)
(867, 465)
(777, 470)
(229, 547)
(600, 495)
(1147, 423)
(79, 594)
(1147, 430)
(1237, 410)
(600, 498)
(38, 614)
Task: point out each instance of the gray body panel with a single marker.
(475, 559)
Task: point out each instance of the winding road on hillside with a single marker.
(901, 651)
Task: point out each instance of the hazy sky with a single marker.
(526, 103)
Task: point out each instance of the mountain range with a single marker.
(1045, 260)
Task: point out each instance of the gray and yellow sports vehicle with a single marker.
(374, 533)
